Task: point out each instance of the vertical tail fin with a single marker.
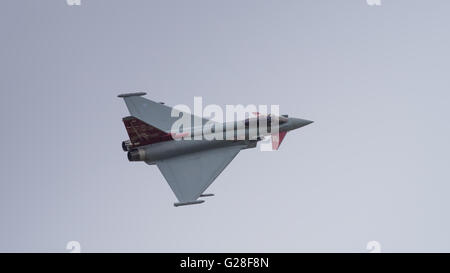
(141, 133)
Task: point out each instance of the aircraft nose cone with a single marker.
(298, 122)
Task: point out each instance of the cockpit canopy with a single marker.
(269, 119)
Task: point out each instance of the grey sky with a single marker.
(373, 166)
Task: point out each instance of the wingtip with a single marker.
(131, 94)
(188, 203)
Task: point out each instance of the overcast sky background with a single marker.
(373, 166)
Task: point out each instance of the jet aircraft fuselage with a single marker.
(190, 160)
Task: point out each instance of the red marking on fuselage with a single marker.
(179, 135)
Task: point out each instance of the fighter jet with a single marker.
(190, 164)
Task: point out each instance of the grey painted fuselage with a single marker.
(167, 149)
